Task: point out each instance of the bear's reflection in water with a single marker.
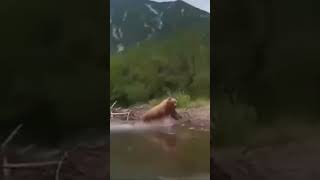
(167, 142)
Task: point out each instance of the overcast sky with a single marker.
(201, 4)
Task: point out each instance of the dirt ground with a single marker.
(198, 117)
(289, 161)
(83, 163)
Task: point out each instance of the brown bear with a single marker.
(165, 108)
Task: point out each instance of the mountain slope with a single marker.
(133, 21)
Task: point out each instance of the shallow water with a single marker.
(158, 151)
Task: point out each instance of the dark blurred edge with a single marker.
(53, 68)
(266, 52)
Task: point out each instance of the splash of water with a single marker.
(140, 126)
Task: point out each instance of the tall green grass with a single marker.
(183, 100)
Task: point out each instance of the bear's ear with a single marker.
(173, 99)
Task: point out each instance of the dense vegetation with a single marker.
(180, 63)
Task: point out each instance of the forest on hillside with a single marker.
(157, 68)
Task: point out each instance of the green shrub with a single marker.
(183, 100)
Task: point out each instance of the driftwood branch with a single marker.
(5, 170)
(120, 113)
(6, 166)
(112, 114)
(10, 137)
(113, 104)
(124, 113)
(65, 155)
(128, 115)
(30, 165)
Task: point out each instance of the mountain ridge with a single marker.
(134, 21)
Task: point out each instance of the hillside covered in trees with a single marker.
(156, 68)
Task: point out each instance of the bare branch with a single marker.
(65, 155)
(124, 113)
(119, 113)
(113, 104)
(30, 165)
(13, 133)
(128, 115)
(6, 171)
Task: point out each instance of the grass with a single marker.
(200, 102)
(183, 101)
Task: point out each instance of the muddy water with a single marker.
(158, 151)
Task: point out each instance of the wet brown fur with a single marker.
(165, 108)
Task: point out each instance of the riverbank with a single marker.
(90, 161)
(196, 116)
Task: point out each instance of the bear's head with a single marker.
(171, 102)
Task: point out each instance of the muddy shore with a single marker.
(197, 117)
